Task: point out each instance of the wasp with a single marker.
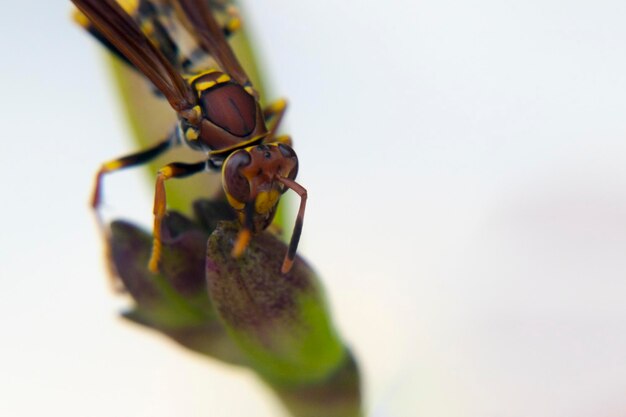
(218, 109)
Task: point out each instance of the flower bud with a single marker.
(280, 321)
(175, 301)
(240, 310)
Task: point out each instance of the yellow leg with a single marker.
(245, 234)
(242, 242)
(128, 161)
(174, 170)
(273, 115)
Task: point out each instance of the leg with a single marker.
(245, 234)
(174, 170)
(273, 115)
(111, 166)
(126, 162)
(297, 229)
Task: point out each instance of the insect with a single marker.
(218, 111)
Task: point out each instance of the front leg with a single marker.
(297, 229)
(173, 170)
(128, 161)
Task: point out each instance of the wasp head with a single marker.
(251, 179)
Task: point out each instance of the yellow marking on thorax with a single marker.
(250, 90)
(191, 134)
(204, 85)
(242, 145)
(191, 78)
(197, 111)
(224, 78)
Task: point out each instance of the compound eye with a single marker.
(235, 184)
(288, 153)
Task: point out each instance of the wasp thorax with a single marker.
(225, 103)
(230, 107)
(225, 113)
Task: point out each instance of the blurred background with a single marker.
(465, 162)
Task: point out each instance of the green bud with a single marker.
(174, 302)
(336, 396)
(280, 321)
(240, 310)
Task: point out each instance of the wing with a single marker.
(121, 31)
(196, 15)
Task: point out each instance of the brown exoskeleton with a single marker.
(219, 114)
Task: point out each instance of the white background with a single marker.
(465, 162)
